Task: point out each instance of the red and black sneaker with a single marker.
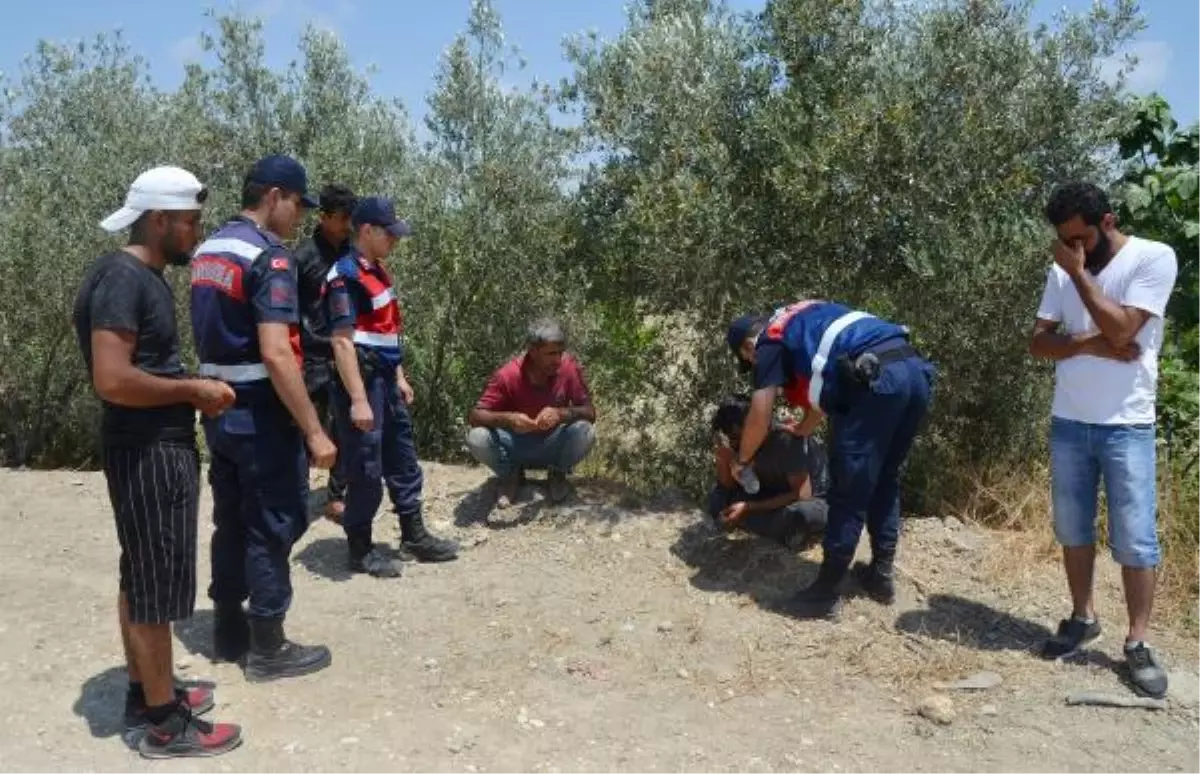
(183, 735)
(197, 698)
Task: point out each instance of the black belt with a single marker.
(864, 366)
(890, 353)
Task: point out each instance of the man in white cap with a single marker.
(125, 322)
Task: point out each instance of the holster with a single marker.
(865, 368)
(861, 370)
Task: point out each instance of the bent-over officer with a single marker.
(863, 373)
(373, 396)
(245, 317)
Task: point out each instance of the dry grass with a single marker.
(1179, 520)
(1018, 502)
(908, 662)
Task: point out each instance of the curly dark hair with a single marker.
(337, 199)
(1087, 200)
(731, 414)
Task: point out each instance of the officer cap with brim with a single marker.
(739, 330)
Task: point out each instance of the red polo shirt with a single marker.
(509, 389)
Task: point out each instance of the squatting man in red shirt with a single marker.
(535, 413)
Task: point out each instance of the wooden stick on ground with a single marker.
(1097, 699)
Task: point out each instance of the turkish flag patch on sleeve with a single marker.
(279, 263)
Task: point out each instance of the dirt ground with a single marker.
(605, 634)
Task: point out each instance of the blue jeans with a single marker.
(557, 451)
(870, 441)
(1125, 456)
(259, 478)
(385, 454)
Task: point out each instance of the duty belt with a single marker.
(866, 365)
(239, 373)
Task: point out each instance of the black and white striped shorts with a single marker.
(155, 491)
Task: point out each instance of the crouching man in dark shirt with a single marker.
(789, 506)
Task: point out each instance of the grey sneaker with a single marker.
(183, 735)
(1072, 635)
(1145, 670)
(559, 487)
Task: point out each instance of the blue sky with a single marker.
(405, 38)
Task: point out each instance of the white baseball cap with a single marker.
(160, 188)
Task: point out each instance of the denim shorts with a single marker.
(1124, 455)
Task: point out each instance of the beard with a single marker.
(174, 254)
(1098, 256)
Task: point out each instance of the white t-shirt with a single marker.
(1099, 390)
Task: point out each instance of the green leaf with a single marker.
(1137, 198)
(1186, 184)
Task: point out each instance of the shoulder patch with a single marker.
(341, 305)
(281, 295)
(279, 263)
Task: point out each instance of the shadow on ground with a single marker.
(101, 703)
(594, 500)
(327, 558)
(972, 624)
(196, 634)
(744, 564)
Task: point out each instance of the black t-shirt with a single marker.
(120, 293)
(783, 454)
(314, 257)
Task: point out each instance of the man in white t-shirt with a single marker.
(1101, 321)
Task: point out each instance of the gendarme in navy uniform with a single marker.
(246, 323)
(863, 373)
(372, 395)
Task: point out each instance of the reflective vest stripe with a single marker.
(238, 247)
(236, 374)
(377, 339)
(382, 299)
(821, 358)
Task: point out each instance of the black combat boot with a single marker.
(366, 557)
(878, 579)
(231, 633)
(416, 540)
(273, 655)
(821, 599)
